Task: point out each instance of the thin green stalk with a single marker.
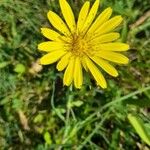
(123, 98)
(107, 106)
(53, 105)
(64, 139)
(98, 126)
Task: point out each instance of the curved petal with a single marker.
(68, 75)
(62, 64)
(108, 26)
(78, 76)
(102, 18)
(68, 14)
(50, 34)
(113, 56)
(91, 16)
(51, 46)
(96, 73)
(106, 38)
(116, 46)
(105, 66)
(83, 15)
(51, 57)
(58, 23)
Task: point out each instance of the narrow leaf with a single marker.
(138, 125)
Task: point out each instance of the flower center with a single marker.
(79, 46)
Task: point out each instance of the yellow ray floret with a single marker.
(83, 15)
(62, 64)
(68, 14)
(105, 66)
(96, 73)
(103, 17)
(50, 34)
(58, 23)
(90, 43)
(69, 72)
(51, 57)
(109, 25)
(51, 46)
(113, 56)
(91, 16)
(78, 77)
(109, 37)
(116, 46)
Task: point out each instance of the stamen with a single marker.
(79, 45)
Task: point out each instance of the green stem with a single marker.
(53, 105)
(98, 126)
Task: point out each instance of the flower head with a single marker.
(89, 43)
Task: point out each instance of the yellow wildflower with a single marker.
(90, 43)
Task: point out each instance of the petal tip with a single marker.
(116, 74)
(109, 9)
(104, 86)
(40, 61)
(49, 13)
(128, 46)
(97, 2)
(78, 87)
(127, 61)
(38, 47)
(58, 68)
(65, 83)
(42, 29)
(120, 18)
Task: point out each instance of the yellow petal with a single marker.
(96, 73)
(113, 56)
(83, 15)
(50, 34)
(68, 75)
(62, 64)
(91, 16)
(58, 23)
(114, 46)
(51, 46)
(78, 76)
(106, 38)
(68, 14)
(51, 57)
(105, 66)
(110, 25)
(102, 18)
(84, 64)
(65, 39)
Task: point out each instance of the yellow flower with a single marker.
(90, 43)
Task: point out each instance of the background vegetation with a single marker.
(38, 113)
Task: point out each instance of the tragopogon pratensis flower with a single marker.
(89, 43)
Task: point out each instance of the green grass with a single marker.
(38, 113)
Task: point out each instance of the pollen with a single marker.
(79, 46)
